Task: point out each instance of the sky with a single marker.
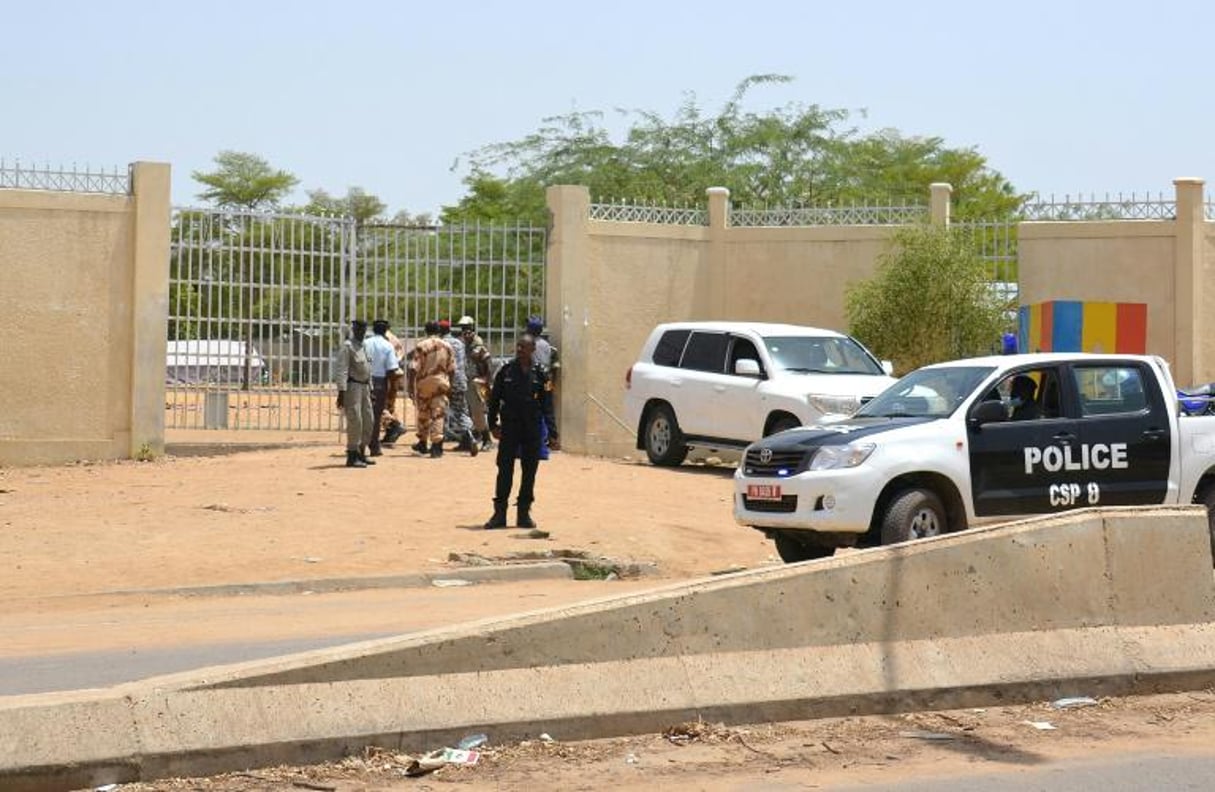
(1061, 97)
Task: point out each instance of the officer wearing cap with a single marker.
(548, 357)
(480, 375)
(352, 375)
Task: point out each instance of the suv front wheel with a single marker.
(663, 440)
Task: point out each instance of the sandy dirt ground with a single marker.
(820, 754)
(75, 540)
(298, 513)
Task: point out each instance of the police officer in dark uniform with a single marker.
(522, 396)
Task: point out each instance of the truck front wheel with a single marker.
(913, 514)
(793, 548)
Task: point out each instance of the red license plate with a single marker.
(763, 492)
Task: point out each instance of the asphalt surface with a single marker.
(1139, 773)
(78, 671)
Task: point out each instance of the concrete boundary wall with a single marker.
(1096, 602)
(86, 275)
(610, 283)
(1167, 264)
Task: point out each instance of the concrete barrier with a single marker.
(1094, 602)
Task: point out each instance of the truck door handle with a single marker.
(1064, 437)
(1153, 434)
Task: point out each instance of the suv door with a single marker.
(702, 375)
(1019, 465)
(739, 406)
(1124, 427)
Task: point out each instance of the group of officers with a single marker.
(449, 377)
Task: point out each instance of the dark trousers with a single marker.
(525, 443)
(379, 398)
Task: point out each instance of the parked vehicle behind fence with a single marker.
(717, 386)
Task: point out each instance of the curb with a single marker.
(511, 573)
(226, 448)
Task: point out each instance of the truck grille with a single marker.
(788, 461)
(785, 505)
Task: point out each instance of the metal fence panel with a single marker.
(259, 303)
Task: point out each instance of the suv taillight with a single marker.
(628, 378)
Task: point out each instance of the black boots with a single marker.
(420, 447)
(473, 446)
(436, 450)
(353, 460)
(523, 516)
(363, 457)
(498, 520)
(392, 433)
(487, 441)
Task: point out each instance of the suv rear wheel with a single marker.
(663, 440)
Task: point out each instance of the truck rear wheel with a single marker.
(913, 514)
(793, 548)
(1207, 498)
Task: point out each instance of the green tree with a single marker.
(930, 300)
(357, 203)
(794, 154)
(244, 181)
(496, 200)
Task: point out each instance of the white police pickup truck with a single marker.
(972, 441)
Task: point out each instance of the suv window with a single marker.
(670, 347)
(706, 352)
(1105, 390)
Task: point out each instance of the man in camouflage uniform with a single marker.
(459, 425)
(479, 367)
(433, 365)
(352, 375)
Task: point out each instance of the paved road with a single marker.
(80, 670)
(72, 643)
(1140, 773)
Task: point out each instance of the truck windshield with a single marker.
(927, 392)
(820, 355)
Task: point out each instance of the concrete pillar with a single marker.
(567, 304)
(1188, 282)
(719, 220)
(149, 306)
(940, 194)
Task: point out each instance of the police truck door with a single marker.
(1019, 465)
(1125, 432)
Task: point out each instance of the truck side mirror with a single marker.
(987, 412)
(747, 367)
(888, 367)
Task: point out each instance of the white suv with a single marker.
(717, 386)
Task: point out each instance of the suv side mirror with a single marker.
(746, 367)
(987, 412)
(888, 367)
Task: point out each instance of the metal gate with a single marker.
(259, 303)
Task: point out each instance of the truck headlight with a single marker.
(826, 404)
(833, 457)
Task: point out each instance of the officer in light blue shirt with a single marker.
(384, 364)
